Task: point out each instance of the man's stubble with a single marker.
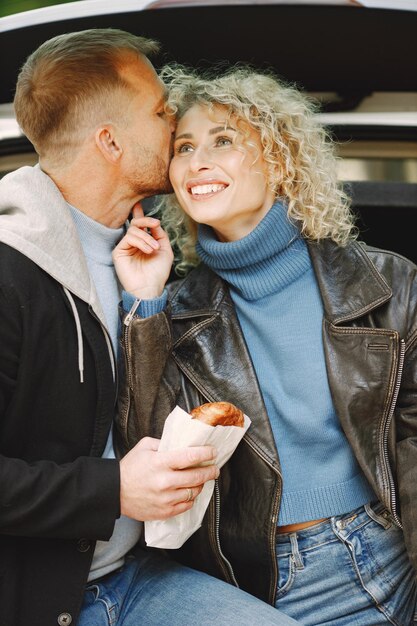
(151, 174)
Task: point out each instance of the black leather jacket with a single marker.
(195, 352)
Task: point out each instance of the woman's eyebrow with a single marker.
(184, 136)
(212, 131)
(219, 129)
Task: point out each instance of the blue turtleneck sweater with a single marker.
(274, 289)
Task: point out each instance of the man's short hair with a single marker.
(69, 78)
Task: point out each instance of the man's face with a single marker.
(148, 136)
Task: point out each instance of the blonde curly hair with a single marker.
(297, 149)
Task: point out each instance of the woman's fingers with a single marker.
(137, 210)
(144, 222)
(158, 232)
(139, 239)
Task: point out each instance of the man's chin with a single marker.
(162, 190)
(167, 189)
(150, 200)
(152, 183)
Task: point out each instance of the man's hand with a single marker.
(157, 485)
(143, 258)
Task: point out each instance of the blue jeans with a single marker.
(152, 591)
(350, 571)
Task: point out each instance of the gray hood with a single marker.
(36, 220)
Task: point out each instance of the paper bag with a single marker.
(181, 431)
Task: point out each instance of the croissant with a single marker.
(218, 414)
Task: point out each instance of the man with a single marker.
(70, 512)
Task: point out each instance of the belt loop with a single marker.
(382, 518)
(298, 561)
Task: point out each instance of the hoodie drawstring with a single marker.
(79, 334)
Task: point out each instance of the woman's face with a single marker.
(219, 178)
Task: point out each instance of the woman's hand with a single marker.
(143, 258)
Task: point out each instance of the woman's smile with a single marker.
(205, 188)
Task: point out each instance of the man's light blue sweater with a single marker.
(279, 307)
(98, 242)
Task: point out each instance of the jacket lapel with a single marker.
(349, 283)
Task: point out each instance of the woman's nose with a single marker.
(201, 159)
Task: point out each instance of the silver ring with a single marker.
(190, 494)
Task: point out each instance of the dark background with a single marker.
(322, 48)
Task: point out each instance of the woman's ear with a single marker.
(108, 143)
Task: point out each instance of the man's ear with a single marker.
(108, 143)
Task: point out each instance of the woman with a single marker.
(312, 334)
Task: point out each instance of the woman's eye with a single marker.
(185, 147)
(223, 141)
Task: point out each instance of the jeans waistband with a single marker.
(342, 524)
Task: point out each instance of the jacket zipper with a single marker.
(125, 336)
(274, 522)
(384, 442)
(224, 562)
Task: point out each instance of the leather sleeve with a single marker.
(406, 449)
(149, 379)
